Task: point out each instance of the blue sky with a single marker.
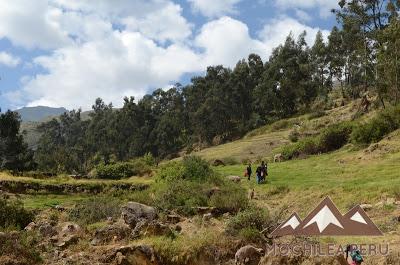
(68, 52)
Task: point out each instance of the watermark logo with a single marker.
(326, 220)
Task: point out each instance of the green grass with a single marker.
(340, 175)
(41, 202)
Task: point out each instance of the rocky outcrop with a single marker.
(131, 255)
(248, 255)
(135, 214)
(111, 233)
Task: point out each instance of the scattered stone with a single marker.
(218, 162)
(114, 232)
(67, 241)
(70, 229)
(174, 218)
(366, 207)
(235, 179)
(134, 213)
(46, 230)
(207, 217)
(31, 226)
(248, 255)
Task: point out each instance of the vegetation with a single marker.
(95, 210)
(13, 214)
(330, 139)
(375, 129)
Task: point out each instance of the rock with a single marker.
(70, 229)
(46, 230)
(31, 226)
(218, 162)
(235, 179)
(366, 207)
(156, 228)
(114, 232)
(134, 213)
(248, 255)
(174, 219)
(207, 217)
(67, 241)
(178, 228)
(128, 255)
(59, 208)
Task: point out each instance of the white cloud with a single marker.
(214, 8)
(31, 24)
(9, 60)
(111, 49)
(162, 25)
(124, 64)
(275, 32)
(324, 6)
(302, 15)
(225, 41)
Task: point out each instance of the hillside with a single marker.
(365, 175)
(34, 114)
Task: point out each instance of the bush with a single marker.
(13, 214)
(185, 185)
(191, 168)
(248, 223)
(114, 171)
(19, 248)
(181, 196)
(294, 136)
(231, 198)
(95, 210)
(374, 130)
(330, 139)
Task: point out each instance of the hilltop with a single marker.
(39, 113)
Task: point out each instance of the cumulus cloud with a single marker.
(111, 49)
(31, 24)
(212, 8)
(9, 60)
(225, 41)
(275, 32)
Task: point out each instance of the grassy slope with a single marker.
(349, 176)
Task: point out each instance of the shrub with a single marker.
(294, 136)
(180, 195)
(249, 222)
(231, 198)
(192, 168)
(13, 214)
(330, 139)
(114, 171)
(374, 130)
(19, 248)
(95, 210)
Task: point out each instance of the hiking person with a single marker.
(264, 171)
(248, 171)
(356, 258)
(259, 173)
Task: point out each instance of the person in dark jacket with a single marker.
(248, 171)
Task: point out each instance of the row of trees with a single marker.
(360, 55)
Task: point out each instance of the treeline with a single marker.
(360, 55)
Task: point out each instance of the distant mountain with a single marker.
(39, 113)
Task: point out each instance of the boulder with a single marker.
(218, 162)
(136, 213)
(114, 232)
(278, 158)
(366, 207)
(69, 228)
(235, 179)
(67, 241)
(46, 230)
(248, 255)
(156, 228)
(128, 255)
(207, 217)
(31, 226)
